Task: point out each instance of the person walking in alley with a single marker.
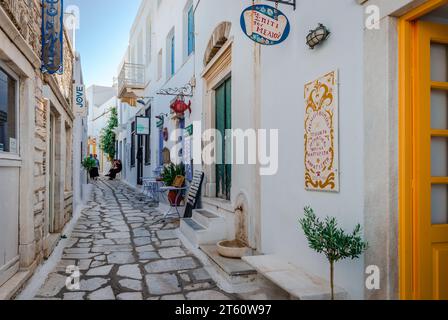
(94, 172)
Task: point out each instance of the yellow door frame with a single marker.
(407, 97)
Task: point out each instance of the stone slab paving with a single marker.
(125, 250)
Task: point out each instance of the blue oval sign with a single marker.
(265, 24)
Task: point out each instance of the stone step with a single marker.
(198, 234)
(297, 282)
(208, 218)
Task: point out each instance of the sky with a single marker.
(103, 36)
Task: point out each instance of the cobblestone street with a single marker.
(126, 250)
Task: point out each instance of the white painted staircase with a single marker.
(204, 228)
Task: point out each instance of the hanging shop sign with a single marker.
(79, 99)
(189, 130)
(265, 24)
(179, 107)
(142, 126)
(160, 121)
(322, 134)
(52, 36)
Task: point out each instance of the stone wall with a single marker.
(40, 165)
(26, 15)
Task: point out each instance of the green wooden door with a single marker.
(224, 122)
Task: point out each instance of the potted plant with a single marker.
(88, 163)
(169, 175)
(327, 238)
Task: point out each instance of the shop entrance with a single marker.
(424, 157)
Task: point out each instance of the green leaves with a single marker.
(107, 139)
(327, 238)
(88, 163)
(171, 171)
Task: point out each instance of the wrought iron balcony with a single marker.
(132, 77)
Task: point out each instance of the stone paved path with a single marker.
(126, 250)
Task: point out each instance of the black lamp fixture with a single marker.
(317, 36)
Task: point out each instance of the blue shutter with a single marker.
(173, 69)
(190, 31)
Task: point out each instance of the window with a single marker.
(148, 41)
(68, 159)
(8, 113)
(159, 65)
(171, 54)
(190, 28)
(148, 139)
(133, 144)
(140, 48)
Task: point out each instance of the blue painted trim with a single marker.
(191, 36)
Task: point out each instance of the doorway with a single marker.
(431, 161)
(139, 160)
(223, 103)
(125, 157)
(52, 175)
(424, 156)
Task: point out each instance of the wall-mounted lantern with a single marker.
(317, 36)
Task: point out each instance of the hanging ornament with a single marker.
(179, 107)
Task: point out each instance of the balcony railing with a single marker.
(132, 76)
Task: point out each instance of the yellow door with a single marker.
(431, 162)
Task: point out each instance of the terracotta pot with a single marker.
(172, 198)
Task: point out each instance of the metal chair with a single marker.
(151, 186)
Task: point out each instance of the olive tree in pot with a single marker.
(327, 238)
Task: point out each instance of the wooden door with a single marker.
(431, 162)
(223, 123)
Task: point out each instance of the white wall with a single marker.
(283, 108)
(285, 69)
(101, 100)
(79, 141)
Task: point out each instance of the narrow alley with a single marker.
(125, 250)
(245, 150)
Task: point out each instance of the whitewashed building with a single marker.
(160, 56)
(387, 172)
(36, 141)
(101, 101)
